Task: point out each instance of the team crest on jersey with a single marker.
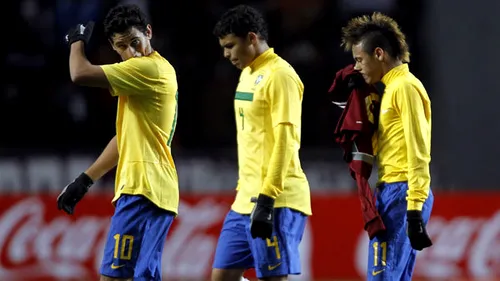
(259, 78)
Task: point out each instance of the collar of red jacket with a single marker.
(395, 72)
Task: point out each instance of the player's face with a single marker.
(368, 64)
(239, 51)
(132, 43)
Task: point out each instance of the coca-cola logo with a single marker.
(37, 242)
(190, 246)
(34, 247)
(463, 246)
(31, 248)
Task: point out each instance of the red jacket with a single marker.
(354, 133)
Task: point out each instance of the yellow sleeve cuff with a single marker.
(415, 205)
(269, 190)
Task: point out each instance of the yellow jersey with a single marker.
(404, 134)
(145, 123)
(269, 94)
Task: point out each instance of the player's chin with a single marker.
(237, 65)
(370, 81)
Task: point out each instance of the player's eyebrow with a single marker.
(133, 38)
(127, 36)
(125, 39)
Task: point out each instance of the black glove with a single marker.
(417, 234)
(262, 217)
(73, 193)
(80, 32)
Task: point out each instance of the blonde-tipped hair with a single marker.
(377, 30)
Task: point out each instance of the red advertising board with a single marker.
(37, 242)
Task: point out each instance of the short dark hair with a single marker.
(121, 18)
(377, 30)
(241, 20)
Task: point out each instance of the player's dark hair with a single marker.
(121, 18)
(241, 20)
(377, 30)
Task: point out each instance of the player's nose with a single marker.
(138, 54)
(357, 67)
(130, 51)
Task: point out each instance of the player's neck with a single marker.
(261, 48)
(149, 50)
(386, 67)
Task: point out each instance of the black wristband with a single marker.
(85, 180)
(265, 200)
(414, 215)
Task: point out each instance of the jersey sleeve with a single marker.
(135, 76)
(286, 140)
(284, 94)
(416, 129)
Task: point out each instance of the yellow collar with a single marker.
(261, 59)
(395, 72)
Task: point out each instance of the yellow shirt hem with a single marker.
(132, 192)
(245, 211)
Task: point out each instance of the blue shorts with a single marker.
(390, 256)
(135, 240)
(278, 256)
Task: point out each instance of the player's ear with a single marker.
(379, 53)
(252, 37)
(149, 31)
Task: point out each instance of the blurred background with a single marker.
(52, 129)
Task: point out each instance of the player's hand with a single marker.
(80, 32)
(73, 193)
(262, 217)
(417, 233)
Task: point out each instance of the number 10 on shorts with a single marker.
(123, 245)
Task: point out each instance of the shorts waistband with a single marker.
(381, 186)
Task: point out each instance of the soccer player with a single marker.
(146, 188)
(404, 198)
(266, 222)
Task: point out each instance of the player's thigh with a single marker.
(233, 250)
(391, 259)
(279, 256)
(149, 262)
(125, 236)
(390, 255)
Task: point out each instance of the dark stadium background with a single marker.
(52, 129)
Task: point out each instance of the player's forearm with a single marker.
(84, 73)
(416, 121)
(418, 183)
(78, 62)
(418, 170)
(105, 162)
(285, 140)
